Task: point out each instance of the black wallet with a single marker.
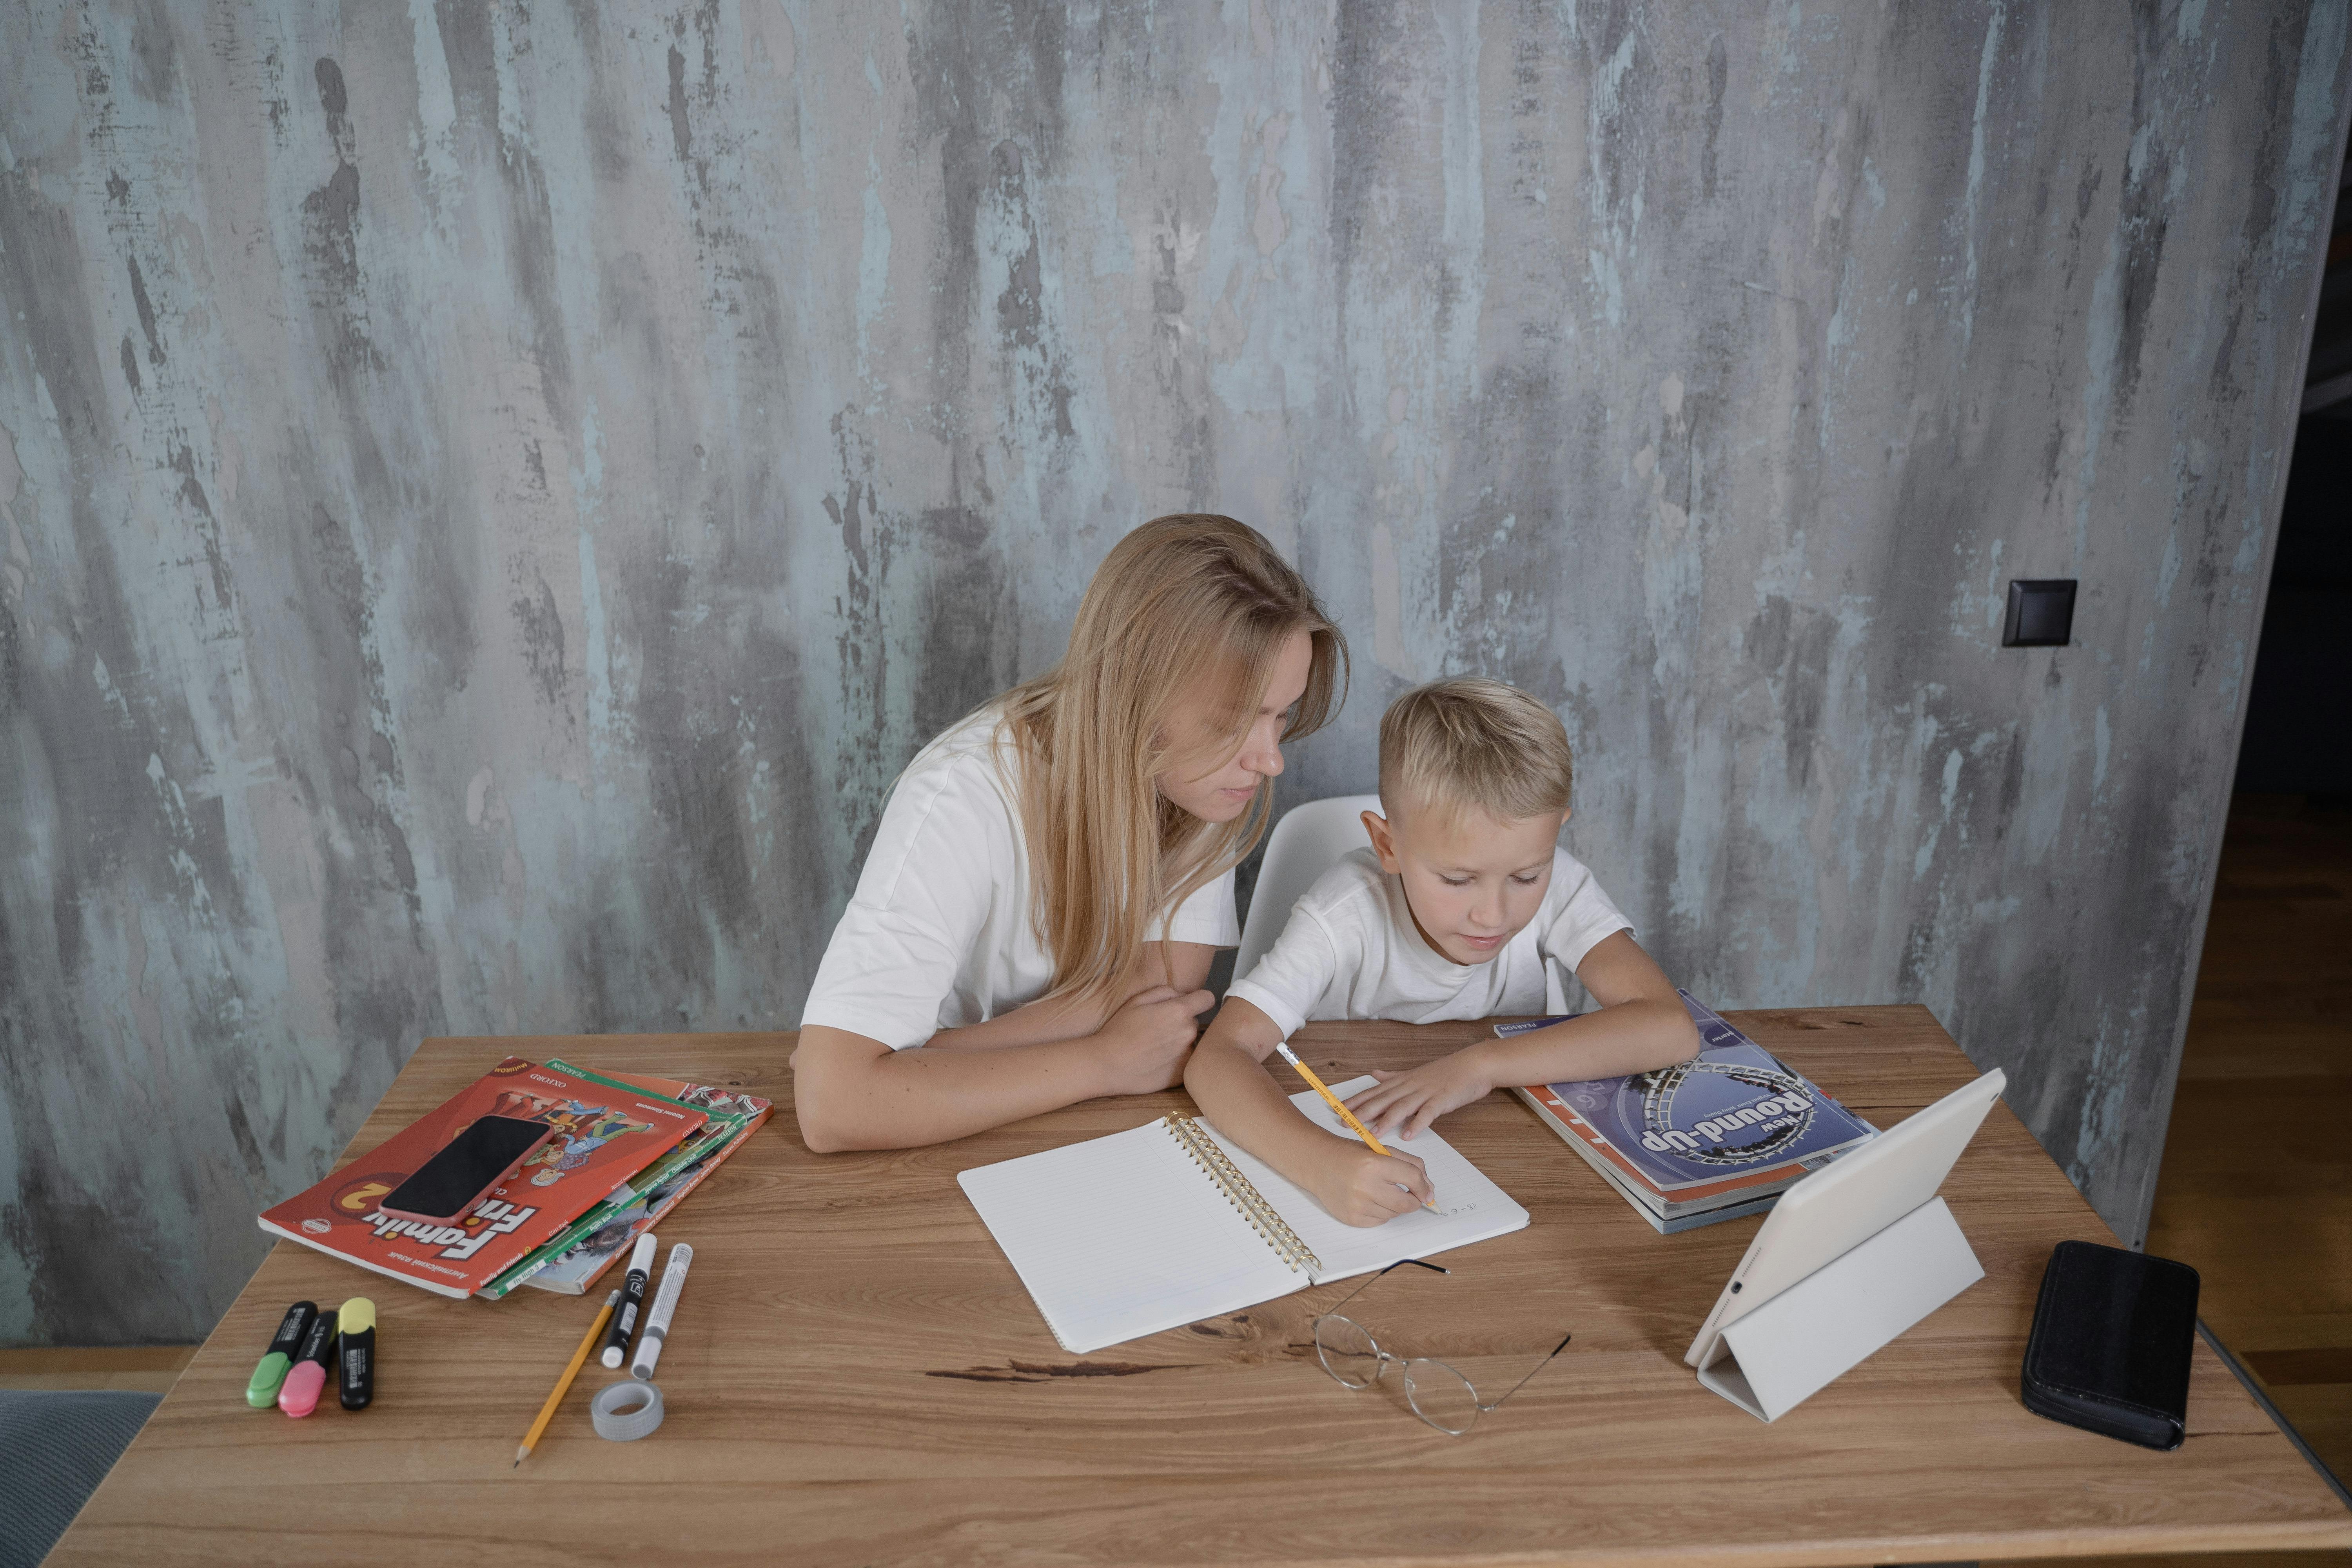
(2109, 1351)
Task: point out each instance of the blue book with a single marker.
(1719, 1136)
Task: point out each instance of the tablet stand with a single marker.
(1797, 1343)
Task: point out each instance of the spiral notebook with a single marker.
(1168, 1222)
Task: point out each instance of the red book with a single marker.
(604, 1136)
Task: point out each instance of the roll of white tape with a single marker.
(625, 1412)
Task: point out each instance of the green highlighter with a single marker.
(262, 1392)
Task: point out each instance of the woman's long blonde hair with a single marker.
(1185, 601)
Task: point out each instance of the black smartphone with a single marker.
(451, 1182)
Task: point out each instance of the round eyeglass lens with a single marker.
(1441, 1396)
(1348, 1353)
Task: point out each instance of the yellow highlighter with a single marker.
(1344, 1114)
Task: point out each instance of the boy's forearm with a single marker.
(1633, 1036)
(1234, 1089)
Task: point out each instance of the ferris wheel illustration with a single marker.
(1659, 1089)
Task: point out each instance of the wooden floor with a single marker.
(2257, 1190)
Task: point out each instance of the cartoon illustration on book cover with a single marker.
(342, 1214)
(579, 1130)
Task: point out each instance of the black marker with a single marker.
(261, 1392)
(633, 1295)
(357, 1325)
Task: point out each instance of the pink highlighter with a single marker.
(299, 1394)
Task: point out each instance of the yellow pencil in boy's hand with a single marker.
(1346, 1115)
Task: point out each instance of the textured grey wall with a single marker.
(492, 493)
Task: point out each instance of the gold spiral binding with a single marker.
(1243, 1194)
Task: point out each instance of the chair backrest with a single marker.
(55, 1447)
(1302, 845)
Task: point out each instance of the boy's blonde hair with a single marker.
(1470, 743)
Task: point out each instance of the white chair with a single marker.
(1304, 844)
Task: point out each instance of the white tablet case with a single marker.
(1837, 1317)
(1774, 1354)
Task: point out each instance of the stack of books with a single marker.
(1715, 1138)
(626, 1151)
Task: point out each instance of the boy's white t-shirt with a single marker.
(937, 935)
(1350, 951)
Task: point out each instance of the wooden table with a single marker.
(856, 1376)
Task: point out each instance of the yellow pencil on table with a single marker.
(1345, 1114)
(547, 1411)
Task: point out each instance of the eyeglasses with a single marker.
(1438, 1394)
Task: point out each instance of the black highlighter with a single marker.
(356, 1326)
(261, 1392)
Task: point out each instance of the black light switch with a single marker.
(2041, 613)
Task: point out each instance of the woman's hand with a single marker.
(1143, 1047)
(1360, 1187)
(1409, 1101)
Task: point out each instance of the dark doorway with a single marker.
(2256, 1187)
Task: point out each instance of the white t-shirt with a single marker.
(937, 935)
(1350, 951)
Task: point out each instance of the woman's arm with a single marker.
(1053, 1019)
(852, 1092)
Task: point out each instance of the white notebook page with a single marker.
(1121, 1236)
(1470, 1208)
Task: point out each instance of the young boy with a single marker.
(1453, 912)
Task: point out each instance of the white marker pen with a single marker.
(649, 1344)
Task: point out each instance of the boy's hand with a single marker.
(1144, 1043)
(1409, 1101)
(1360, 1187)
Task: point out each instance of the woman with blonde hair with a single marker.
(1051, 877)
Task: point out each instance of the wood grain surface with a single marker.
(856, 1376)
